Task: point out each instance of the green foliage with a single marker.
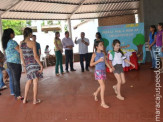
(50, 22)
(16, 25)
(43, 23)
(139, 40)
(66, 28)
(29, 22)
(59, 22)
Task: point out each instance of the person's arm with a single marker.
(17, 48)
(127, 61)
(21, 56)
(106, 62)
(63, 43)
(110, 62)
(76, 41)
(56, 45)
(153, 41)
(36, 56)
(40, 52)
(85, 42)
(93, 62)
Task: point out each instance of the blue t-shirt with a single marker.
(12, 54)
(38, 48)
(151, 40)
(101, 65)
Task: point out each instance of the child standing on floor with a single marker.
(116, 58)
(99, 60)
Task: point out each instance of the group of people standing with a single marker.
(27, 54)
(155, 43)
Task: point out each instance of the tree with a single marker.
(139, 41)
(16, 25)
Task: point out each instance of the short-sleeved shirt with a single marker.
(159, 39)
(118, 58)
(152, 38)
(38, 48)
(47, 51)
(12, 54)
(83, 48)
(67, 42)
(59, 43)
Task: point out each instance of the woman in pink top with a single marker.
(159, 43)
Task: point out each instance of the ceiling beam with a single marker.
(42, 12)
(71, 19)
(10, 7)
(75, 10)
(72, 3)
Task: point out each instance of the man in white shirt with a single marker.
(68, 46)
(83, 50)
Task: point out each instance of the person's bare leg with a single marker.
(123, 78)
(118, 87)
(35, 87)
(27, 86)
(96, 93)
(102, 91)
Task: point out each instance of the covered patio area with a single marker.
(69, 99)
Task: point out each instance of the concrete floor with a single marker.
(69, 99)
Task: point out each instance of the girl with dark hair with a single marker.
(116, 58)
(152, 44)
(58, 53)
(99, 60)
(32, 64)
(47, 51)
(159, 42)
(13, 60)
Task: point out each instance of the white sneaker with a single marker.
(4, 87)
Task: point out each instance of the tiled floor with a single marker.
(68, 98)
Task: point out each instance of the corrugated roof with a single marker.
(64, 9)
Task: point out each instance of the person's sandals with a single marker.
(95, 97)
(57, 74)
(115, 89)
(25, 101)
(20, 98)
(37, 102)
(63, 73)
(104, 105)
(120, 97)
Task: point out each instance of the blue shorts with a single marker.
(160, 53)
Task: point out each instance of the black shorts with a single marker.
(118, 68)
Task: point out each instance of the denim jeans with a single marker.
(10, 81)
(1, 78)
(16, 70)
(153, 56)
(58, 55)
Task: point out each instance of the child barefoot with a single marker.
(116, 58)
(99, 60)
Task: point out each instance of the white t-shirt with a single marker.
(83, 48)
(118, 58)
